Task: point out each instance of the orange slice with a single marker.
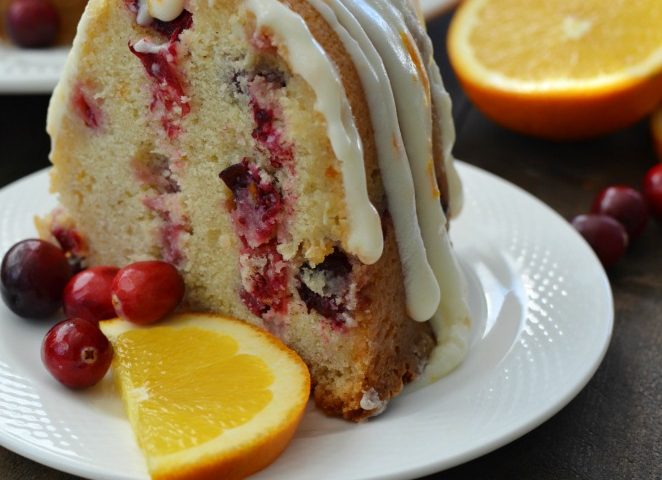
(656, 130)
(208, 397)
(562, 69)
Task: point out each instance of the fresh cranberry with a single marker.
(32, 23)
(145, 292)
(332, 302)
(33, 276)
(604, 234)
(88, 295)
(626, 205)
(76, 353)
(653, 190)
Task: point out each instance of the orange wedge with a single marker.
(560, 69)
(656, 130)
(208, 397)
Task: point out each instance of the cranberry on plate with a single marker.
(88, 294)
(145, 292)
(32, 23)
(76, 353)
(32, 278)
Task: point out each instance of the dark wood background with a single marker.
(613, 428)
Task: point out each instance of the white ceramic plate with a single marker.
(37, 71)
(543, 319)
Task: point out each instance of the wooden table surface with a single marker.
(613, 428)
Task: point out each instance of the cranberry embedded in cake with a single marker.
(262, 88)
(257, 210)
(327, 288)
(265, 277)
(161, 65)
(174, 27)
(86, 107)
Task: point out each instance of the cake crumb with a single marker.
(371, 401)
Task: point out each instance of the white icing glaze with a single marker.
(143, 17)
(422, 289)
(164, 10)
(441, 101)
(388, 32)
(377, 29)
(145, 46)
(306, 58)
(451, 323)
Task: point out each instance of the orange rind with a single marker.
(560, 70)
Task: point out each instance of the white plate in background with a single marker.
(543, 316)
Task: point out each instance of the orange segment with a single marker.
(563, 69)
(207, 396)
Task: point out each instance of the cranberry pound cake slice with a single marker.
(291, 158)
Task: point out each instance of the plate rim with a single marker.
(51, 459)
(527, 426)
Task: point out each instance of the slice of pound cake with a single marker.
(291, 158)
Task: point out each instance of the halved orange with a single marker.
(208, 397)
(563, 69)
(656, 131)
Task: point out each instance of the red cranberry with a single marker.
(32, 23)
(626, 205)
(88, 296)
(653, 190)
(605, 235)
(145, 292)
(33, 276)
(76, 353)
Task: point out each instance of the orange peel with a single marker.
(560, 70)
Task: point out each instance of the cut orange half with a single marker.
(562, 69)
(208, 397)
